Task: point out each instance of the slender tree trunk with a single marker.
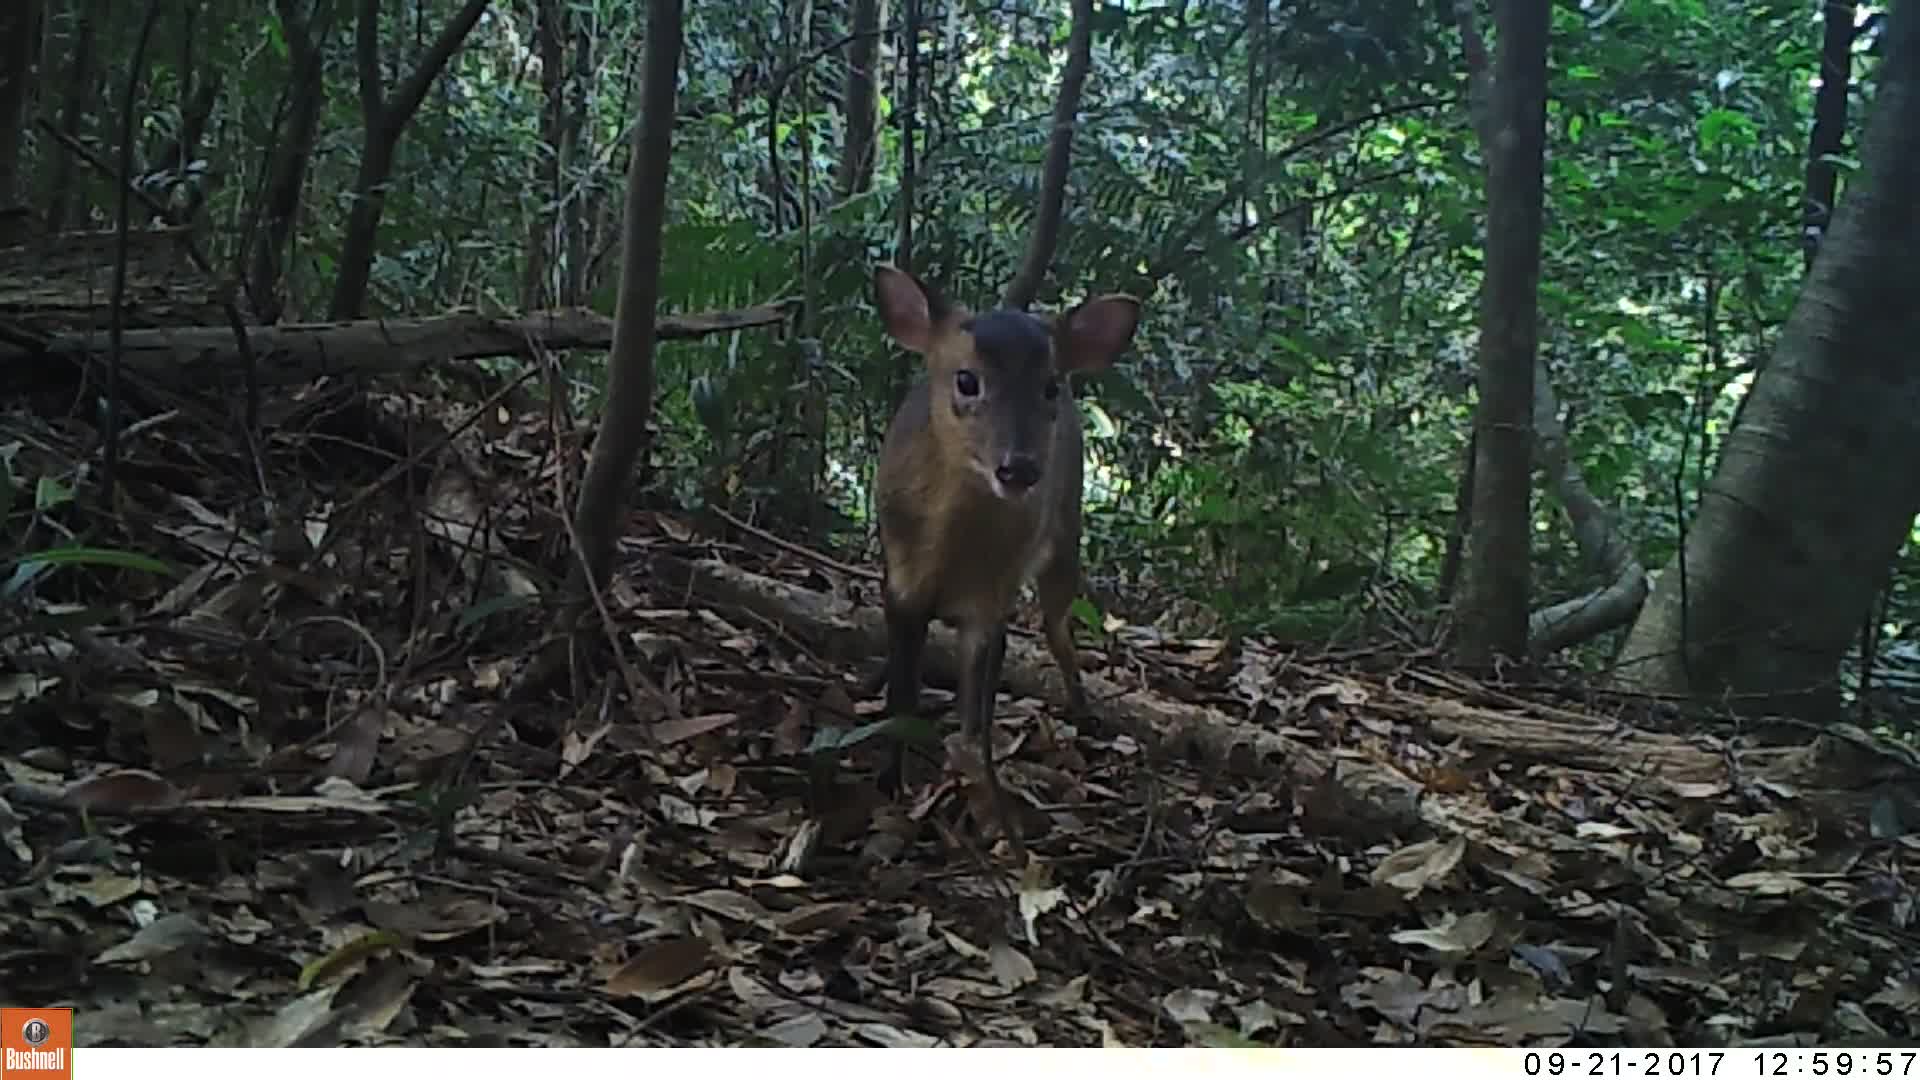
(1829, 122)
(909, 166)
(576, 140)
(1045, 236)
(1494, 608)
(19, 20)
(1456, 548)
(812, 442)
(1253, 163)
(280, 206)
(78, 83)
(550, 38)
(1815, 489)
(363, 225)
(859, 101)
(386, 120)
(629, 407)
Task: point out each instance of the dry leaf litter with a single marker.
(336, 780)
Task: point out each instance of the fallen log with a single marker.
(300, 352)
(1386, 797)
(1837, 777)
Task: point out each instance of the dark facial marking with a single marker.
(1010, 340)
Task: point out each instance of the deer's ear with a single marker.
(909, 309)
(1096, 331)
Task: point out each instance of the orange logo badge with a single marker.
(36, 1044)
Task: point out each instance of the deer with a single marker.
(978, 490)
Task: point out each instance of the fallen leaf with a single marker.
(753, 993)
(1011, 967)
(888, 1035)
(826, 916)
(434, 920)
(1601, 830)
(1217, 1036)
(1454, 935)
(661, 965)
(1190, 1005)
(681, 812)
(1849, 1017)
(1395, 995)
(1688, 979)
(1340, 690)
(1258, 1015)
(295, 1020)
(801, 1030)
(347, 957)
(1037, 897)
(962, 946)
(25, 686)
(1695, 789)
(1070, 995)
(358, 747)
(1417, 866)
(576, 748)
(1901, 997)
(106, 889)
(122, 790)
(1519, 1017)
(1277, 906)
(1766, 883)
(668, 732)
(1546, 962)
(167, 934)
(733, 905)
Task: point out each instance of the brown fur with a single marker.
(954, 547)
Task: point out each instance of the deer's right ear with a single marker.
(907, 307)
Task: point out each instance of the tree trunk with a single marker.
(306, 41)
(1045, 236)
(1455, 552)
(863, 62)
(1253, 156)
(550, 37)
(17, 38)
(363, 225)
(385, 122)
(576, 250)
(629, 405)
(1597, 533)
(73, 105)
(1815, 489)
(1829, 123)
(909, 168)
(1493, 612)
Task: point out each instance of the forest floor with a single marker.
(327, 781)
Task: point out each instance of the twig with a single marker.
(789, 546)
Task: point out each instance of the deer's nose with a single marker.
(1018, 472)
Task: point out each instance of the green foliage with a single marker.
(22, 525)
(1302, 221)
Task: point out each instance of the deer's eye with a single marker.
(1053, 389)
(966, 384)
